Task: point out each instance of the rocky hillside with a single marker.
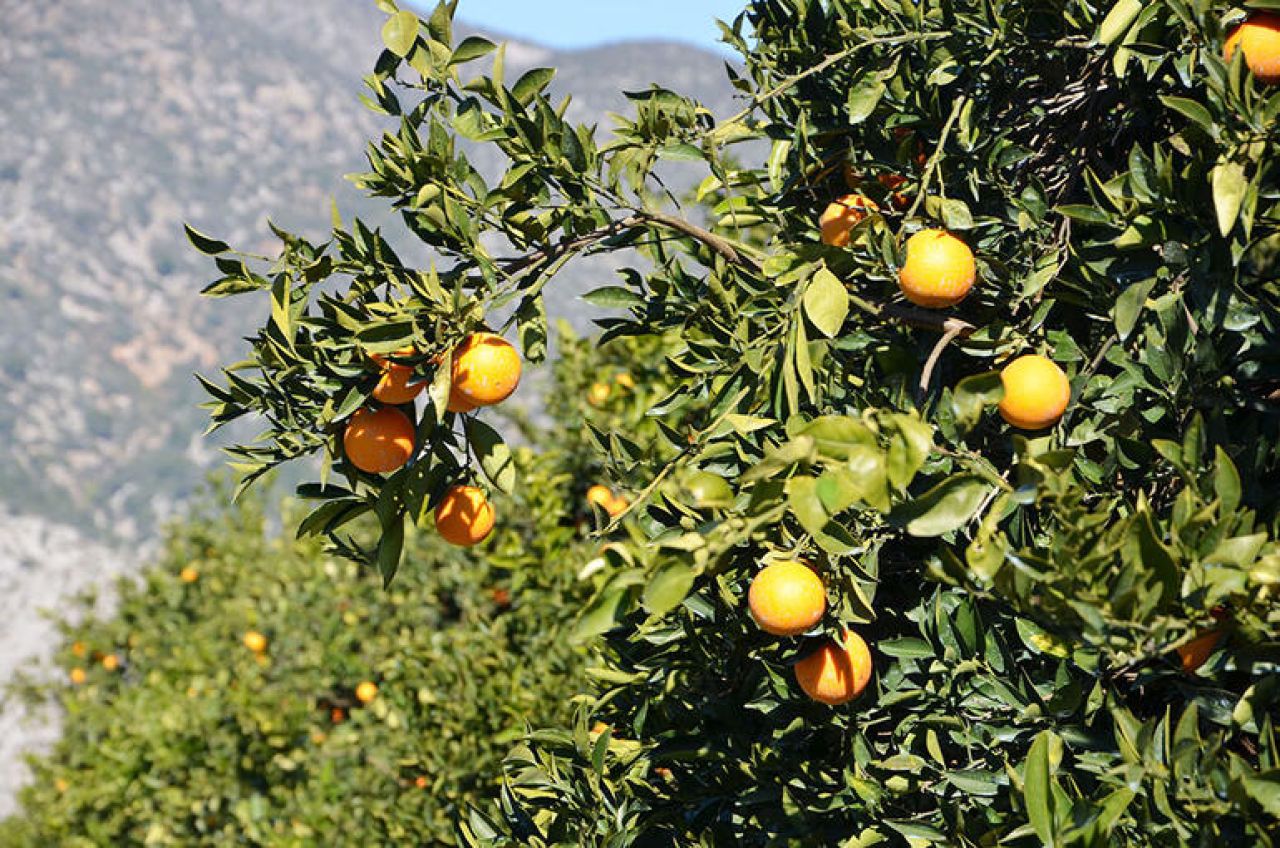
(120, 121)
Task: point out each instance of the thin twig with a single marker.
(932, 165)
(710, 239)
(929, 364)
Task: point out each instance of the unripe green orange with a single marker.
(787, 598)
(939, 270)
(1259, 38)
(1036, 392)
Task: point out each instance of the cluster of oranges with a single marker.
(380, 439)
(938, 272)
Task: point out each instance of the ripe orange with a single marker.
(939, 270)
(464, 517)
(378, 441)
(1036, 392)
(255, 641)
(501, 597)
(836, 674)
(1259, 38)
(337, 715)
(625, 380)
(1197, 652)
(77, 676)
(397, 384)
(787, 598)
(841, 216)
(598, 394)
(486, 369)
(598, 728)
(366, 692)
(188, 575)
(457, 403)
(111, 662)
(78, 648)
(61, 785)
(603, 497)
(420, 782)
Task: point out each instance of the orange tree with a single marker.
(1012, 399)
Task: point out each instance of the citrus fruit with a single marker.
(188, 575)
(939, 270)
(787, 598)
(1259, 38)
(1036, 392)
(707, 490)
(598, 394)
(625, 380)
(111, 662)
(255, 641)
(378, 441)
(399, 383)
(604, 498)
(836, 674)
(841, 216)
(366, 692)
(464, 516)
(1197, 652)
(77, 676)
(486, 369)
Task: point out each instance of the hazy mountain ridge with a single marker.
(121, 122)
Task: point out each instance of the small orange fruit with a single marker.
(420, 782)
(378, 441)
(598, 394)
(457, 403)
(604, 498)
(337, 715)
(78, 648)
(787, 598)
(61, 785)
(255, 641)
(77, 676)
(111, 662)
(464, 516)
(841, 216)
(1036, 392)
(366, 692)
(501, 597)
(397, 384)
(486, 369)
(1259, 38)
(939, 270)
(625, 380)
(1197, 652)
(836, 674)
(598, 728)
(188, 575)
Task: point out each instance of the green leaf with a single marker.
(668, 588)
(390, 547)
(531, 84)
(863, 99)
(946, 507)
(972, 395)
(613, 297)
(203, 243)
(1194, 111)
(1226, 482)
(826, 302)
(494, 455)
(1037, 791)
(1129, 307)
(1229, 186)
(1118, 20)
(400, 33)
(472, 48)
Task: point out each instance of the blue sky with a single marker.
(585, 23)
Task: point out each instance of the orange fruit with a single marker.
(397, 384)
(604, 498)
(464, 516)
(1036, 392)
(787, 598)
(457, 403)
(188, 575)
(841, 216)
(78, 648)
(486, 369)
(1259, 38)
(337, 715)
(255, 641)
(501, 597)
(77, 676)
(625, 380)
(420, 782)
(61, 785)
(1197, 652)
(378, 441)
(836, 674)
(366, 692)
(598, 394)
(939, 270)
(110, 662)
(598, 728)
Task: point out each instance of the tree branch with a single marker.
(710, 239)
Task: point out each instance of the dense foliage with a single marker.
(1025, 594)
(180, 734)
